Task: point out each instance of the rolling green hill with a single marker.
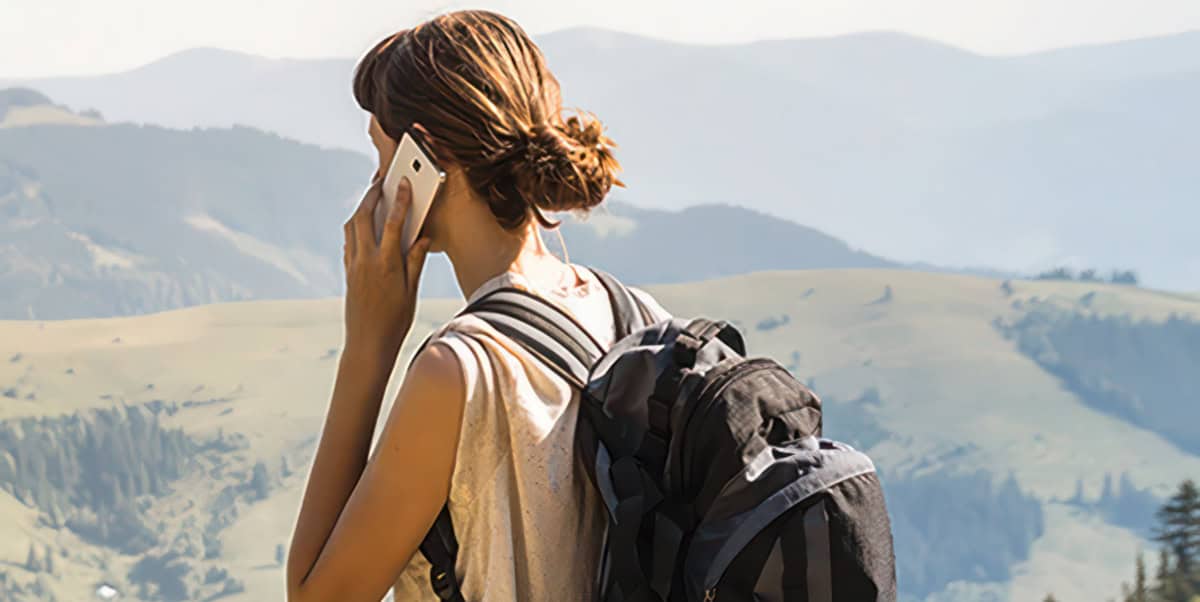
(994, 466)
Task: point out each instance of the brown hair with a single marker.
(479, 85)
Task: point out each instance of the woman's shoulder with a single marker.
(479, 348)
(463, 329)
(437, 367)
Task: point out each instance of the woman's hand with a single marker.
(381, 280)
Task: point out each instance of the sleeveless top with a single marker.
(528, 523)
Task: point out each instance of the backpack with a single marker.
(711, 466)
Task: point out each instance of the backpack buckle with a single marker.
(445, 586)
(684, 349)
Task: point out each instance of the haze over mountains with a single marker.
(906, 148)
(124, 219)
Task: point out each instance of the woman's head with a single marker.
(480, 91)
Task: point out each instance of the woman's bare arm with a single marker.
(362, 519)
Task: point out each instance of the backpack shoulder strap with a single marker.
(629, 313)
(542, 328)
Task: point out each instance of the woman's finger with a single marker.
(364, 219)
(415, 263)
(370, 196)
(393, 229)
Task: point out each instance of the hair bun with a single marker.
(566, 166)
(480, 86)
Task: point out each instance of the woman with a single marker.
(478, 421)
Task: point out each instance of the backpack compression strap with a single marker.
(629, 313)
(564, 345)
(440, 548)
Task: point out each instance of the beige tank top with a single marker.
(529, 525)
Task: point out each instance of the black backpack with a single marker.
(717, 482)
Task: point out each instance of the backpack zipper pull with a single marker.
(710, 595)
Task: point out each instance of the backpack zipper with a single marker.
(707, 398)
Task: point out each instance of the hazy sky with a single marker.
(55, 37)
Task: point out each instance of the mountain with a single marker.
(996, 492)
(1033, 160)
(126, 219)
(1116, 61)
(694, 243)
(702, 242)
(307, 100)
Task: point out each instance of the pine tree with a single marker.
(141, 478)
(1050, 598)
(49, 560)
(1139, 593)
(1179, 532)
(1162, 576)
(260, 481)
(1077, 498)
(31, 560)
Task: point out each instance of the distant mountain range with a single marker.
(908, 148)
(126, 219)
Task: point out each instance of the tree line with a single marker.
(85, 471)
(958, 527)
(1176, 576)
(1129, 277)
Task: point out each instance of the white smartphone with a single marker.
(414, 162)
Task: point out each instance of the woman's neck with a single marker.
(489, 252)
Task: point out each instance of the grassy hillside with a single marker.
(911, 364)
(21, 107)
